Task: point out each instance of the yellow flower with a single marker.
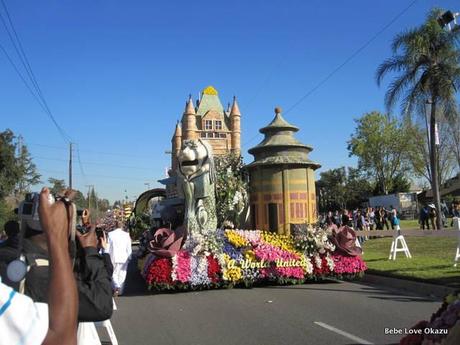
(235, 239)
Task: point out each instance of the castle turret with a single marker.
(235, 118)
(189, 121)
(176, 142)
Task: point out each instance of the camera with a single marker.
(28, 210)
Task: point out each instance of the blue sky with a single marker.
(116, 75)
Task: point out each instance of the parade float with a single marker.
(196, 241)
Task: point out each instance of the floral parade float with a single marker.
(443, 328)
(197, 255)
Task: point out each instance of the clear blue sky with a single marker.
(116, 75)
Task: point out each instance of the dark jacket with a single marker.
(93, 274)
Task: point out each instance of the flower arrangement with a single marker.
(250, 257)
(443, 327)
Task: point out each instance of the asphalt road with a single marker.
(327, 313)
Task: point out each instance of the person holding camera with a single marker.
(92, 273)
(27, 322)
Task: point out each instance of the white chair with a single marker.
(456, 223)
(398, 239)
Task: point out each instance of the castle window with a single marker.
(208, 124)
(203, 134)
(209, 135)
(221, 135)
(218, 124)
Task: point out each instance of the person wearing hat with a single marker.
(432, 215)
(344, 240)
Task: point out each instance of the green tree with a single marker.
(9, 170)
(342, 188)
(419, 157)
(331, 189)
(358, 188)
(57, 185)
(426, 61)
(28, 175)
(379, 142)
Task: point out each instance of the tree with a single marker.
(331, 189)
(57, 185)
(342, 188)
(454, 132)
(419, 157)
(9, 170)
(358, 188)
(379, 142)
(28, 175)
(426, 61)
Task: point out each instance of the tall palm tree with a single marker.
(426, 65)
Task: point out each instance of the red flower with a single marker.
(213, 269)
(160, 272)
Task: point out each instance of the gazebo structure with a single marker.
(282, 179)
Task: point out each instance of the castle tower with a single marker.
(282, 179)
(189, 121)
(235, 119)
(176, 142)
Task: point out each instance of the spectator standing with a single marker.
(119, 249)
(423, 218)
(432, 216)
(384, 218)
(337, 219)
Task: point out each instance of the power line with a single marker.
(38, 95)
(340, 66)
(88, 151)
(93, 163)
(351, 57)
(105, 176)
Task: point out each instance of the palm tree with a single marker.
(426, 62)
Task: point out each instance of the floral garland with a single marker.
(244, 257)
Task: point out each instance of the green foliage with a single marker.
(231, 189)
(418, 153)
(56, 185)
(28, 175)
(342, 188)
(141, 224)
(379, 142)
(10, 172)
(426, 63)
(6, 213)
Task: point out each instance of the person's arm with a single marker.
(63, 300)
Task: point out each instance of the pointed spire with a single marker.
(178, 132)
(189, 108)
(235, 109)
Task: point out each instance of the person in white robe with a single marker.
(119, 249)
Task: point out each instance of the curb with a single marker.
(414, 287)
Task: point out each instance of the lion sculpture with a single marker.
(196, 184)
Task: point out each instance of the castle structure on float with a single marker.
(207, 120)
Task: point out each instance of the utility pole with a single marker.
(19, 156)
(70, 166)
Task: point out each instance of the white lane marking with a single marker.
(345, 334)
